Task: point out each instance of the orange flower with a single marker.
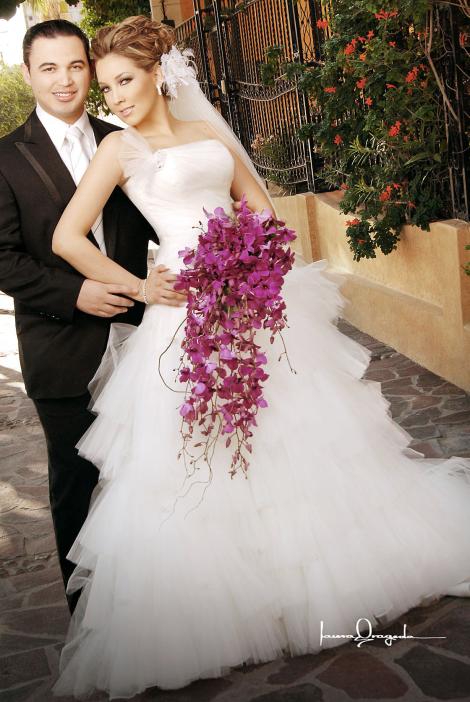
(363, 56)
(393, 43)
(353, 222)
(397, 186)
(361, 241)
(350, 48)
(368, 101)
(322, 24)
(383, 15)
(330, 89)
(338, 139)
(412, 75)
(390, 85)
(395, 129)
(370, 34)
(361, 83)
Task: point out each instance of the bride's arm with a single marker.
(243, 182)
(70, 236)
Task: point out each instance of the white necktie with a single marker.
(80, 154)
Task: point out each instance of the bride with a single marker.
(337, 520)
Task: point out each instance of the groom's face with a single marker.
(59, 75)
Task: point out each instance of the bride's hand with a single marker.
(236, 204)
(159, 288)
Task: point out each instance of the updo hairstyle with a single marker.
(138, 38)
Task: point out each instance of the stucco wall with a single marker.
(177, 10)
(417, 299)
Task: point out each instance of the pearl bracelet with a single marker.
(144, 291)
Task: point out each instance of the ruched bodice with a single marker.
(168, 186)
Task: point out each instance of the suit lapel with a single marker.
(110, 210)
(42, 155)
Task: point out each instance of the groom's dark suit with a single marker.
(60, 347)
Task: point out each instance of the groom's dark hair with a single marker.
(51, 29)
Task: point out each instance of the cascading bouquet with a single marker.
(233, 282)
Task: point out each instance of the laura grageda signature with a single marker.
(367, 636)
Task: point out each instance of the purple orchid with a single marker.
(233, 283)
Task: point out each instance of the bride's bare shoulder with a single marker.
(112, 139)
(111, 143)
(108, 154)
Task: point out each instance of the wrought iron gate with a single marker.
(229, 40)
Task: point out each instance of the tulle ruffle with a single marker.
(337, 519)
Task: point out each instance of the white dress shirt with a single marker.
(57, 131)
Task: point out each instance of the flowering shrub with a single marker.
(272, 153)
(379, 122)
(233, 283)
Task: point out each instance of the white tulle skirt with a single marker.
(337, 519)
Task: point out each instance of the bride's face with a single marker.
(129, 90)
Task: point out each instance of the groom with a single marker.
(62, 319)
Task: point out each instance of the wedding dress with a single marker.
(336, 520)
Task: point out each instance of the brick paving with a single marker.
(33, 614)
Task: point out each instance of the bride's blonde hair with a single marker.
(138, 38)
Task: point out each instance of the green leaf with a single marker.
(17, 100)
(423, 155)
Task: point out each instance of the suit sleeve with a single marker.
(49, 291)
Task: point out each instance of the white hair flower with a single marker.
(178, 68)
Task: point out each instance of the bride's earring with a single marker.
(159, 81)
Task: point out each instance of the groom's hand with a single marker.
(103, 299)
(160, 289)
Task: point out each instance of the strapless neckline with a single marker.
(173, 186)
(186, 143)
(174, 146)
